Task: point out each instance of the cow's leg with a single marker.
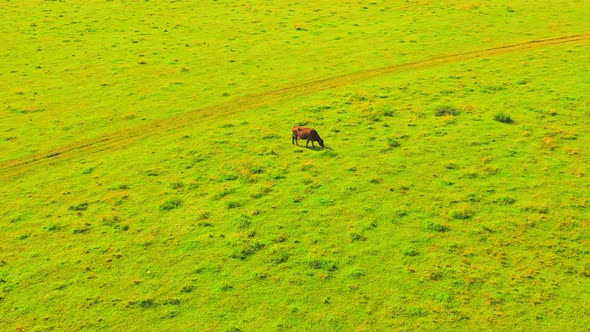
(307, 143)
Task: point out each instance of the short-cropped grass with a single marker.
(149, 182)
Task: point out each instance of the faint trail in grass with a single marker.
(124, 137)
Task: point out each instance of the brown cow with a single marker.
(306, 133)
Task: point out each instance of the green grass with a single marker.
(503, 117)
(149, 180)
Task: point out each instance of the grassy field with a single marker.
(148, 180)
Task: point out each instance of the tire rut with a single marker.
(125, 137)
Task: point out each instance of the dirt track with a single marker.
(122, 138)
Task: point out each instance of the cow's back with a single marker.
(301, 132)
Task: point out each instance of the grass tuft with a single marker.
(436, 227)
(503, 117)
(410, 252)
(322, 264)
(177, 185)
(233, 204)
(446, 111)
(79, 207)
(357, 237)
(171, 205)
(462, 214)
(393, 143)
(247, 251)
(505, 200)
(357, 273)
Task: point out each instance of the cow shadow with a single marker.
(319, 148)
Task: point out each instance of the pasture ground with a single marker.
(149, 181)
